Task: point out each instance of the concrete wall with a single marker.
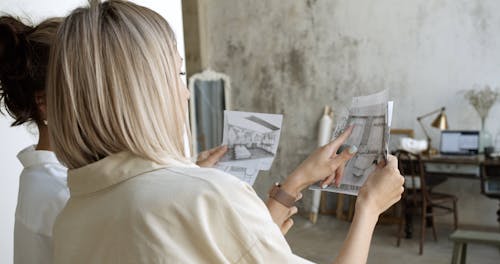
(294, 57)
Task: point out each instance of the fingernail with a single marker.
(352, 149)
(324, 186)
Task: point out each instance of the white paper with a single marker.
(245, 171)
(371, 116)
(252, 140)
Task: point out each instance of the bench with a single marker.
(462, 237)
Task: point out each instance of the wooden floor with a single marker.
(321, 242)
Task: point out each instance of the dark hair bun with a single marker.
(19, 73)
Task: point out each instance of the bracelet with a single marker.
(281, 196)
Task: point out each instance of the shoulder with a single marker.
(42, 195)
(198, 182)
(46, 174)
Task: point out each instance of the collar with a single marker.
(112, 170)
(31, 157)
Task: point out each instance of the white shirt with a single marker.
(125, 209)
(42, 195)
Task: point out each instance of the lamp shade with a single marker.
(441, 122)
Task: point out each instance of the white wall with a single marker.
(12, 140)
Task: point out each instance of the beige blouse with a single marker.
(125, 209)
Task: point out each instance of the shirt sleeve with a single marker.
(269, 244)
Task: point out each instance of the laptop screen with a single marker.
(459, 142)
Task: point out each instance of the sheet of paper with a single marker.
(252, 140)
(371, 116)
(245, 171)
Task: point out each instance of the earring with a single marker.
(45, 122)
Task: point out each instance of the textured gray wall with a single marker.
(294, 57)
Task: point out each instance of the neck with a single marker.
(43, 138)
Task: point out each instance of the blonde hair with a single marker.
(113, 85)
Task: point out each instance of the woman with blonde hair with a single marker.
(24, 55)
(118, 106)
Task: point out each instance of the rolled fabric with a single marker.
(324, 135)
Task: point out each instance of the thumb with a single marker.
(217, 154)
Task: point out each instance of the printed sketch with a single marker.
(248, 175)
(250, 135)
(252, 140)
(371, 120)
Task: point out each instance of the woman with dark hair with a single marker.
(24, 53)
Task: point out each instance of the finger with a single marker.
(381, 164)
(335, 144)
(299, 196)
(392, 161)
(203, 155)
(216, 155)
(291, 211)
(343, 157)
(327, 181)
(214, 150)
(339, 174)
(286, 226)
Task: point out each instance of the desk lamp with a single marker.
(440, 122)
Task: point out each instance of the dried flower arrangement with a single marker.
(482, 100)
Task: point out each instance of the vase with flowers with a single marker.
(482, 100)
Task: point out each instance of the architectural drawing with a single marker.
(250, 135)
(371, 120)
(252, 140)
(248, 175)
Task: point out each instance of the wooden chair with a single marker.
(418, 198)
(490, 181)
(393, 214)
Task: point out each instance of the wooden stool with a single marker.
(462, 237)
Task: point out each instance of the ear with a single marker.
(41, 103)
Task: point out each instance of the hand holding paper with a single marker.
(322, 165)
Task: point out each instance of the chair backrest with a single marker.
(490, 179)
(411, 166)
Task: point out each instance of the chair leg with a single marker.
(401, 224)
(409, 221)
(422, 231)
(434, 233)
(455, 215)
(400, 233)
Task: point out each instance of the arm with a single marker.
(381, 190)
(323, 165)
(357, 243)
(280, 214)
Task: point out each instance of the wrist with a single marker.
(366, 211)
(282, 196)
(294, 183)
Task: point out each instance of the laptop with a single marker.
(459, 142)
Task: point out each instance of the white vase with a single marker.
(485, 138)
